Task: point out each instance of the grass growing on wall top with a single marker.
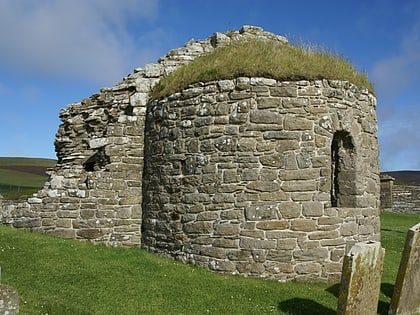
(258, 58)
(57, 276)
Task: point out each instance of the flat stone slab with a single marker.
(9, 300)
(406, 296)
(361, 279)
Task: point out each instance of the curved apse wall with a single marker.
(261, 177)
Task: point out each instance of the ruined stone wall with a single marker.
(95, 190)
(251, 175)
(239, 176)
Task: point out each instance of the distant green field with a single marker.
(20, 177)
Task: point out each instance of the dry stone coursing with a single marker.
(399, 197)
(239, 181)
(95, 190)
(251, 175)
(406, 198)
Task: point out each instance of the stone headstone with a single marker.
(361, 279)
(406, 296)
(9, 300)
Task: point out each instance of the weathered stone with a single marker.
(297, 123)
(361, 279)
(272, 160)
(220, 173)
(406, 296)
(272, 225)
(312, 209)
(290, 210)
(312, 254)
(90, 233)
(306, 225)
(308, 268)
(264, 186)
(261, 212)
(250, 243)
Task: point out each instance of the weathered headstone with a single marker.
(361, 279)
(9, 300)
(406, 296)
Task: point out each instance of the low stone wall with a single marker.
(406, 198)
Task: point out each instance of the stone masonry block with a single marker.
(308, 268)
(312, 209)
(273, 225)
(263, 212)
(289, 209)
(306, 225)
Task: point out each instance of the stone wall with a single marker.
(95, 190)
(406, 198)
(239, 176)
(399, 197)
(251, 175)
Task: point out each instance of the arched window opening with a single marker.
(343, 173)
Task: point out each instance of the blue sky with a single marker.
(54, 52)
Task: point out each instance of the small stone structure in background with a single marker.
(387, 183)
(399, 197)
(250, 176)
(361, 279)
(9, 300)
(406, 296)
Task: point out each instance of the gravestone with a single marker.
(406, 296)
(9, 300)
(361, 279)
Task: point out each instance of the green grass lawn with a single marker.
(57, 276)
(21, 177)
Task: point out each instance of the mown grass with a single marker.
(258, 58)
(57, 276)
(21, 177)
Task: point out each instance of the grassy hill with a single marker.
(405, 177)
(20, 177)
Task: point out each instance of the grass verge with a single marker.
(57, 276)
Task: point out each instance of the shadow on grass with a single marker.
(298, 306)
(387, 289)
(334, 289)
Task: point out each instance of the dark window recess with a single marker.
(97, 161)
(129, 110)
(343, 172)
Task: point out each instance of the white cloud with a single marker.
(85, 39)
(398, 72)
(396, 82)
(399, 137)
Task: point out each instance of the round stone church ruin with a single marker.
(250, 175)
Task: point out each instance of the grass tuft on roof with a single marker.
(261, 58)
